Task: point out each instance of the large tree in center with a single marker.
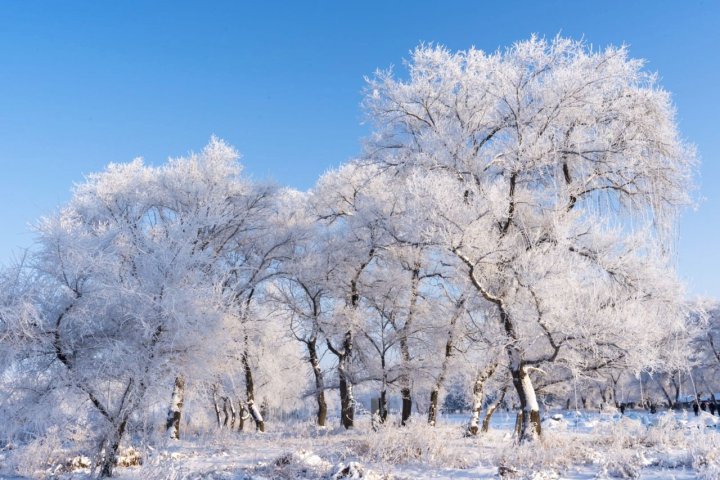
(554, 175)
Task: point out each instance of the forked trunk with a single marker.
(112, 446)
(478, 392)
(175, 412)
(435, 392)
(491, 409)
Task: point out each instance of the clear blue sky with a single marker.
(83, 84)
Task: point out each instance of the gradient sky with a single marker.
(83, 84)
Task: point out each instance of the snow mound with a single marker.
(555, 422)
(353, 470)
(296, 465)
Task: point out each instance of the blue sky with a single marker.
(83, 84)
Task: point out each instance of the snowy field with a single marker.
(574, 446)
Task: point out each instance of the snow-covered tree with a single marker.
(554, 174)
(126, 293)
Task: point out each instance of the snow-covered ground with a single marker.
(574, 446)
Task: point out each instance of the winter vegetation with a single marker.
(489, 289)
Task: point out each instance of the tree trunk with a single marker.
(250, 395)
(225, 411)
(491, 409)
(478, 390)
(405, 386)
(406, 395)
(319, 381)
(664, 389)
(435, 393)
(216, 404)
(112, 446)
(347, 401)
(175, 412)
(233, 413)
(383, 407)
(242, 416)
(529, 417)
(433, 410)
(521, 380)
(676, 387)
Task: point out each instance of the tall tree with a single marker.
(539, 167)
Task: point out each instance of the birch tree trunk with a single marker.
(176, 405)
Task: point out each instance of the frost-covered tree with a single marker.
(127, 292)
(341, 201)
(303, 293)
(250, 259)
(554, 175)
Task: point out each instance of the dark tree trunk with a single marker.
(225, 411)
(176, 405)
(347, 400)
(319, 381)
(405, 385)
(433, 410)
(250, 395)
(112, 446)
(383, 406)
(406, 405)
(666, 394)
(216, 404)
(435, 392)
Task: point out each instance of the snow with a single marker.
(575, 445)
